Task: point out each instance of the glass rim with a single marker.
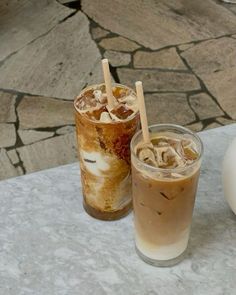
(168, 170)
(98, 122)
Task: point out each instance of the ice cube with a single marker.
(122, 112)
(147, 155)
(105, 117)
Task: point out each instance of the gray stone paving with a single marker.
(7, 169)
(29, 136)
(98, 33)
(173, 106)
(163, 59)
(22, 22)
(7, 110)
(43, 112)
(154, 80)
(7, 135)
(117, 58)
(56, 65)
(118, 44)
(50, 152)
(204, 106)
(183, 51)
(156, 24)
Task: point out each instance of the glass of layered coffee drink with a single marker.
(104, 136)
(165, 175)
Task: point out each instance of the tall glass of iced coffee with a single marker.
(104, 136)
(165, 175)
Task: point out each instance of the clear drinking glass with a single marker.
(163, 204)
(104, 153)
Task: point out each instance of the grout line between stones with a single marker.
(190, 106)
(94, 24)
(73, 4)
(203, 86)
(191, 92)
(19, 142)
(38, 37)
(16, 92)
(226, 6)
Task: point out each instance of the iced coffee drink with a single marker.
(104, 136)
(165, 175)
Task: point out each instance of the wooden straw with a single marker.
(142, 110)
(107, 78)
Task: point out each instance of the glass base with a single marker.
(161, 263)
(107, 215)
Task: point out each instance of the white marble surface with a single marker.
(48, 245)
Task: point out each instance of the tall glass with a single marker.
(163, 204)
(104, 154)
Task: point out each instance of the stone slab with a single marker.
(163, 22)
(196, 127)
(7, 170)
(229, 6)
(117, 59)
(164, 59)
(225, 121)
(30, 136)
(98, 33)
(118, 44)
(21, 22)
(205, 106)
(168, 108)
(13, 156)
(211, 56)
(57, 65)
(19, 170)
(222, 85)
(159, 81)
(65, 130)
(184, 47)
(65, 251)
(212, 125)
(7, 135)
(7, 109)
(49, 153)
(42, 112)
(215, 62)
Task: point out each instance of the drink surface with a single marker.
(168, 151)
(165, 175)
(93, 104)
(104, 137)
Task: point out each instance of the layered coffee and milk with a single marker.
(104, 135)
(165, 175)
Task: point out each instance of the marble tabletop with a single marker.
(49, 245)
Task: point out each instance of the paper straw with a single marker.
(107, 79)
(142, 110)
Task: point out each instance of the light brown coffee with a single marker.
(165, 176)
